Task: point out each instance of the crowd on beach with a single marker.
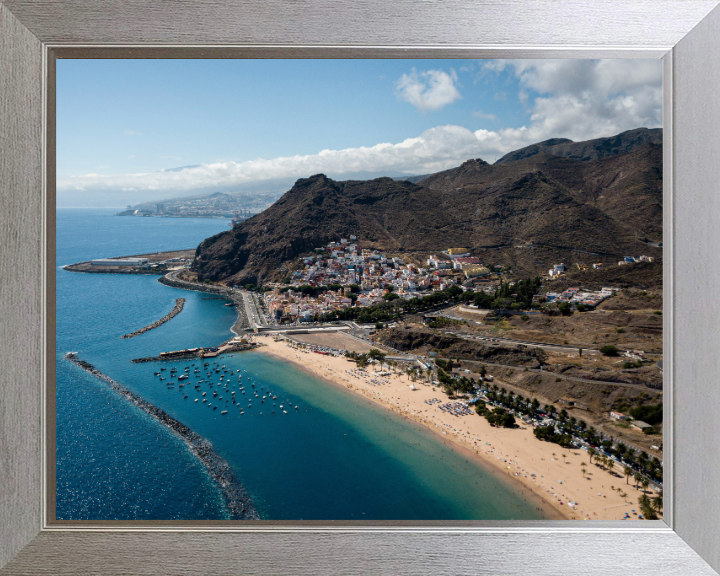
(568, 490)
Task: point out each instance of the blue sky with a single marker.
(120, 123)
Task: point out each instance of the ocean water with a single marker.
(337, 457)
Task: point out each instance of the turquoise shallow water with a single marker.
(337, 457)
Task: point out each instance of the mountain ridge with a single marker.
(529, 213)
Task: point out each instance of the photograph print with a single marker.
(375, 290)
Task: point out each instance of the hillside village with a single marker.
(343, 275)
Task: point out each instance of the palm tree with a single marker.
(611, 464)
(583, 468)
(645, 483)
(657, 502)
(627, 472)
(636, 477)
(591, 453)
(564, 456)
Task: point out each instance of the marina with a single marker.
(238, 501)
(348, 459)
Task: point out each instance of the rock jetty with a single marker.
(179, 304)
(236, 497)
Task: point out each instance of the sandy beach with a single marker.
(553, 475)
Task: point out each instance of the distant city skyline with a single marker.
(124, 127)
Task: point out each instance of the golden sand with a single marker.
(553, 474)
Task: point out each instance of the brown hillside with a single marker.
(526, 214)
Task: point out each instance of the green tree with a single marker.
(627, 471)
(591, 452)
(565, 308)
(609, 350)
(657, 501)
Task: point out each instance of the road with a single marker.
(571, 378)
(253, 310)
(544, 345)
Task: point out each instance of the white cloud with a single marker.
(435, 149)
(585, 99)
(131, 133)
(481, 114)
(579, 100)
(430, 90)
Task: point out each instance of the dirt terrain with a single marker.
(333, 340)
(595, 401)
(626, 328)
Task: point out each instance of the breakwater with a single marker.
(236, 497)
(171, 279)
(241, 324)
(225, 347)
(85, 268)
(179, 304)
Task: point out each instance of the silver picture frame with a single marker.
(685, 34)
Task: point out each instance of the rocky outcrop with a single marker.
(409, 339)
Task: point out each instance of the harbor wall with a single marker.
(179, 304)
(236, 497)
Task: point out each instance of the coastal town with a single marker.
(343, 274)
(238, 207)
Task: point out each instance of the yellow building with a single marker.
(453, 251)
(475, 271)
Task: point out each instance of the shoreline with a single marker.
(547, 481)
(545, 472)
(541, 503)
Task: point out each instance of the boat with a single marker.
(223, 412)
(183, 377)
(204, 393)
(196, 399)
(284, 411)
